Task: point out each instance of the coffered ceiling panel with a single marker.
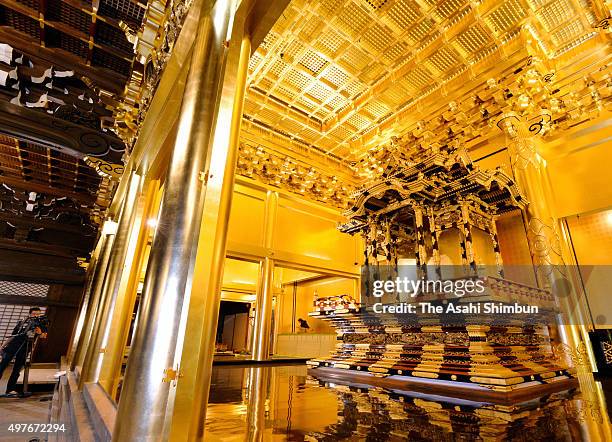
(331, 73)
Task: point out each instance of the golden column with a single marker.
(165, 320)
(435, 243)
(546, 245)
(467, 239)
(106, 306)
(205, 291)
(93, 297)
(265, 282)
(420, 251)
(258, 390)
(85, 301)
(263, 311)
(110, 370)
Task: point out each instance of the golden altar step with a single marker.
(500, 357)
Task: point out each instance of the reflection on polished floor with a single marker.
(285, 403)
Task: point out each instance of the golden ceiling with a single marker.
(336, 77)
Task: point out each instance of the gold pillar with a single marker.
(577, 303)
(435, 243)
(96, 350)
(147, 404)
(205, 291)
(263, 311)
(265, 283)
(258, 386)
(278, 306)
(494, 238)
(543, 235)
(420, 249)
(110, 370)
(270, 218)
(468, 239)
(85, 300)
(106, 239)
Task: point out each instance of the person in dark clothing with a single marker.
(18, 346)
(304, 327)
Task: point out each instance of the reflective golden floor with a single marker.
(284, 403)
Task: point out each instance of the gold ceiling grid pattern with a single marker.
(330, 72)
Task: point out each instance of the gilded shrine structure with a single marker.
(403, 212)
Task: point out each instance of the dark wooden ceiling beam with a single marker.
(34, 300)
(92, 32)
(36, 90)
(63, 177)
(34, 156)
(39, 262)
(63, 27)
(45, 249)
(29, 186)
(82, 6)
(48, 168)
(65, 183)
(39, 223)
(87, 8)
(102, 77)
(83, 177)
(49, 131)
(22, 169)
(67, 38)
(42, 8)
(103, 108)
(21, 8)
(66, 29)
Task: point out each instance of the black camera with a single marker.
(30, 324)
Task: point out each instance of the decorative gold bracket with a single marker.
(172, 375)
(104, 168)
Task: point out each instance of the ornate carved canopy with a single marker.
(431, 179)
(413, 194)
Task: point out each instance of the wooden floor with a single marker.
(32, 410)
(40, 376)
